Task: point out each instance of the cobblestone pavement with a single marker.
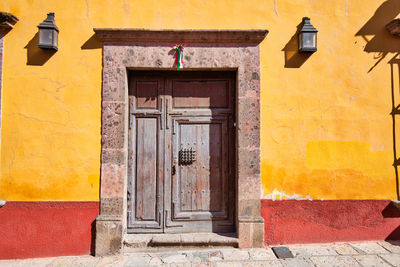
(335, 254)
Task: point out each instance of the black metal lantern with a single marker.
(307, 37)
(48, 33)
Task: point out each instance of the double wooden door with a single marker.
(181, 174)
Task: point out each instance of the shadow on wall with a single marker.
(93, 238)
(92, 43)
(380, 42)
(38, 57)
(394, 113)
(294, 59)
(391, 211)
(394, 237)
(35, 55)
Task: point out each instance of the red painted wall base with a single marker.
(305, 221)
(45, 229)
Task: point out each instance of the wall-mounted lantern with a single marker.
(307, 37)
(48, 33)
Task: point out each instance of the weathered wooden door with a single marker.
(181, 175)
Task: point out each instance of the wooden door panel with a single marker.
(200, 183)
(202, 193)
(144, 176)
(200, 190)
(194, 184)
(217, 166)
(146, 94)
(200, 93)
(145, 155)
(170, 112)
(146, 169)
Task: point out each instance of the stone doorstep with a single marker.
(146, 241)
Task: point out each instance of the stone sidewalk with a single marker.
(335, 254)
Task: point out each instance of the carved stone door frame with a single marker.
(127, 49)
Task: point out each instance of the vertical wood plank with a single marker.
(186, 172)
(203, 166)
(146, 168)
(131, 201)
(216, 163)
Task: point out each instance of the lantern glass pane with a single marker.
(309, 40)
(55, 39)
(46, 36)
(300, 41)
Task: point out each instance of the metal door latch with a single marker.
(187, 156)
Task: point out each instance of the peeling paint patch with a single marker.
(279, 195)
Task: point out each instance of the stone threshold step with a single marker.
(137, 241)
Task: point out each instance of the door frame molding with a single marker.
(130, 49)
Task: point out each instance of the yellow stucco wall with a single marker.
(326, 129)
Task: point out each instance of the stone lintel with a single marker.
(184, 36)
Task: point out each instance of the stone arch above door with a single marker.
(126, 49)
